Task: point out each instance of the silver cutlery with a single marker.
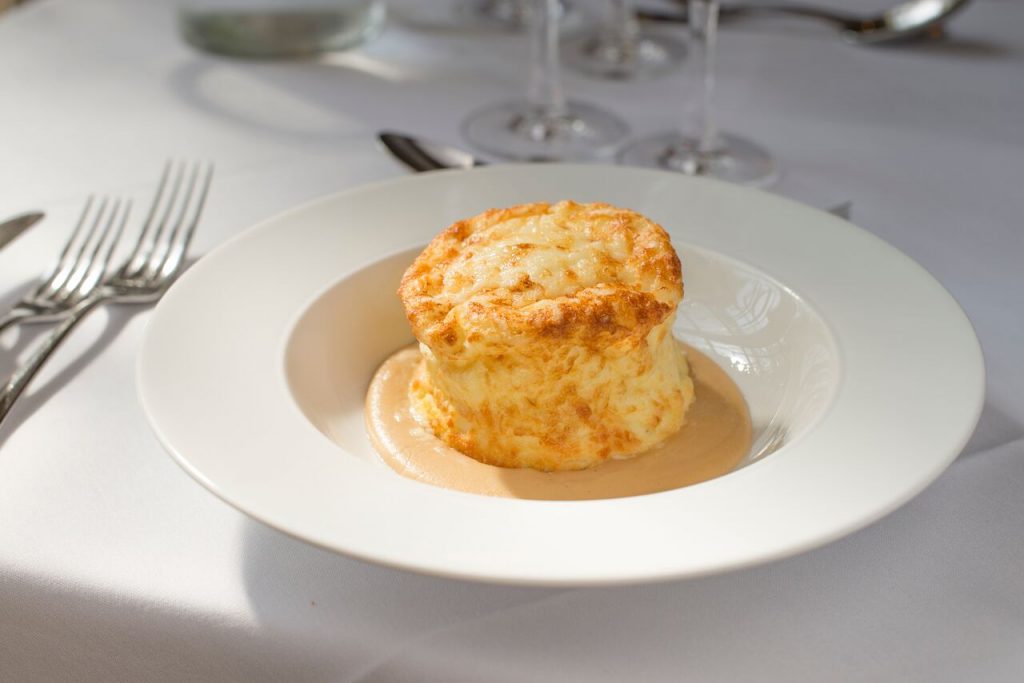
(902, 21)
(156, 260)
(13, 227)
(78, 269)
(422, 155)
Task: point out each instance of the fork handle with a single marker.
(25, 373)
(14, 317)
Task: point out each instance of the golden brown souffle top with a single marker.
(459, 287)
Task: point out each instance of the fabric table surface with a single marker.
(116, 566)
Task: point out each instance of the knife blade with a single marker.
(13, 227)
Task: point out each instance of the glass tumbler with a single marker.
(279, 28)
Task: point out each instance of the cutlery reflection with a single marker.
(13, 227)
(156, 260)
(905, 20)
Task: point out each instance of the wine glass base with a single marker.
(650, 56)
(735, 159)
(519, 130)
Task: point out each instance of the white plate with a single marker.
(864, 380)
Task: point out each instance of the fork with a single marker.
(78, 269)
(156, 260)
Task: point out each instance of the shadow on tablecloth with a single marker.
(17, 344)
(25, 339)
(381, 86)
(933, 592)
(358, 612)
(995, 428)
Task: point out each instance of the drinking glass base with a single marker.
(734, 159)
(521, 131)
(281, 29)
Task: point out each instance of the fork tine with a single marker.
(58, 264)
(172, 200)
(162, 250)
(143, 246)
(80, 278)
(182, 237)
(110, 238)
(58, 274)
(172, 238)
(117, 235)
(71, 270)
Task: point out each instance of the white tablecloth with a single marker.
(115, 566)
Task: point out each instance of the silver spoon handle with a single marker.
(839, 19)
(25, 373)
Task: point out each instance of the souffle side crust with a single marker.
(545, 331)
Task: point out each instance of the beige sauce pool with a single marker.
(714, 440)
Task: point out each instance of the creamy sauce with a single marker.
(713, 441)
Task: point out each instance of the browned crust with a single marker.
(604, 314)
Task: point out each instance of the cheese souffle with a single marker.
(545, 334)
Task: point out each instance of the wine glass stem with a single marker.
(623, 27)
(546, 92)
(704, 32)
